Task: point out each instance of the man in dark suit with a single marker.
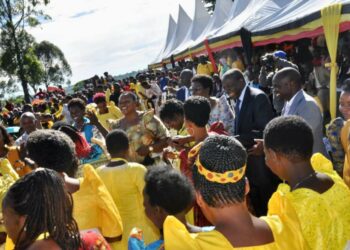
(253, 111)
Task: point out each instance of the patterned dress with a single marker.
(222, 112)
(149, 130)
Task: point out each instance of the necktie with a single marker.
(237, 109)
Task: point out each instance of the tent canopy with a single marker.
(169, 37)
(269, 21)
(182, 27)
(200, 21)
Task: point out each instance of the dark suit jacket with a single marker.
(255, 113)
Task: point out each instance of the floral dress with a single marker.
(222, 112)
(149, 130)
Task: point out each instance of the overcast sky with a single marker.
(109, 35)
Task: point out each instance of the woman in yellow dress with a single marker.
(12, 153)
(167, 192)
(221, 189)
(125, 182)
(38, 213)
(93, 205)
(104, 112)
(7, 177)
(315, 191)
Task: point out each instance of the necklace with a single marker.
(303, 180)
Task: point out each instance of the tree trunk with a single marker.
(19, 57)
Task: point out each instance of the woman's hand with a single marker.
(143, 151)
(92, 117)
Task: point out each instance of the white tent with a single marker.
(182, 27)
(225, 10)
(169, 37)
(221, 14)
(253, 13)
(200, 21)
(295, 11)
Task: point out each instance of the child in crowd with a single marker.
(314, 190)
(125, 182)
(221, 190)
(167, 192)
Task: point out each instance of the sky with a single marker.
(108, 35)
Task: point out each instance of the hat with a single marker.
(280, 54)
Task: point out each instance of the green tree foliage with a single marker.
(16, 58)
(55, 65)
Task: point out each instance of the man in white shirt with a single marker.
(153, 94)
(287, 84)
(28, 124)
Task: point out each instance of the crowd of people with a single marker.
(199, 156)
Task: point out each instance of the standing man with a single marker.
(185, 83)
(253, 111)
(287, 84)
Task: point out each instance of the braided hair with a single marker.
(48, 207)
(219, 154)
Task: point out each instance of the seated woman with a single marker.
(316, 193)
(93, 205)
(221, 190)
(104, 112)
(37, 213)
(167, 192)
(12, 153)
(221, 111)
(127, 191)
(147, 134)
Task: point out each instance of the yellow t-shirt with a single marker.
(176, 236)
(324, 218)
(205, 69)
(125, 183)
(113, 114)
(94, 206)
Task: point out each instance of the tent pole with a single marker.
(331, 18)
(211, 57)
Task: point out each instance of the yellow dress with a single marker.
(8, 176)
(113, 114)
(94, 206)
(344, 137)
(324, 218)
(205, 69)
(176, 237)
(125, 183)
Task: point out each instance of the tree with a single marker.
(15, 16)
(54, 63)
(210, 5)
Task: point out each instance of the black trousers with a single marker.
(263, 183)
